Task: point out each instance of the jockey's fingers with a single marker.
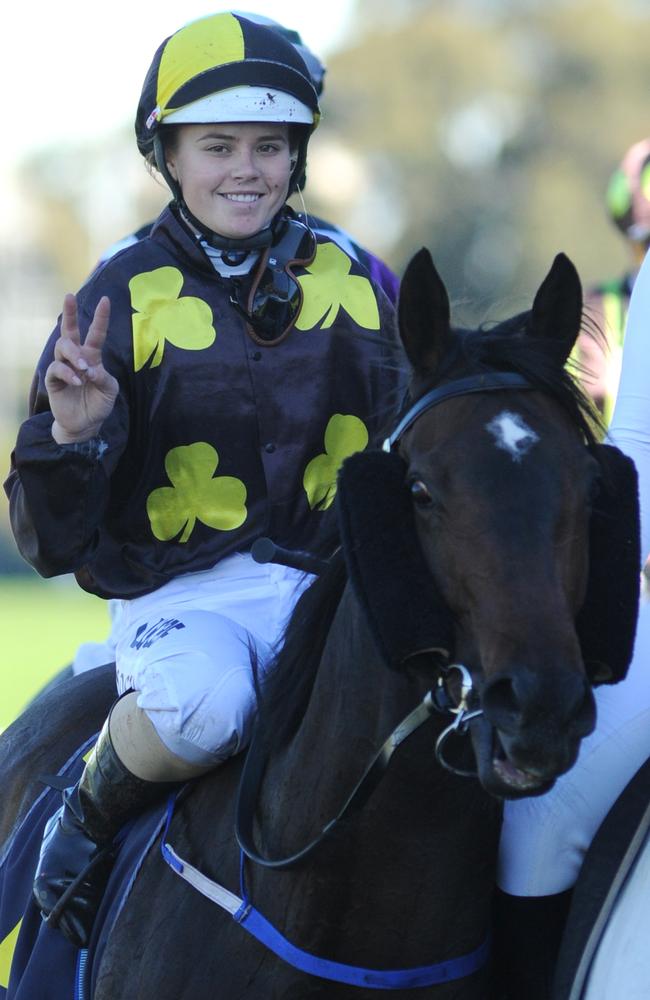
(99, 326)
(98, 375)
(69, 319)
(59, 374)
(69, 351)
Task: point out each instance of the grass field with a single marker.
(43, 623)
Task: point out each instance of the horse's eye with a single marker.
(420, 493)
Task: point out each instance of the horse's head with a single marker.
(501, 483)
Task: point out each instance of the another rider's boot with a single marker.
(77, 853)
(526, 941)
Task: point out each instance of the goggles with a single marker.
(275, 296)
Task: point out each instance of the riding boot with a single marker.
(527, 935)
(77, 853)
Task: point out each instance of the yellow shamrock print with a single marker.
(344, 435)
(7, 948)
(195, 495)
(329, 286)
(161, 315)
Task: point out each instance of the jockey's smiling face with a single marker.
(234, 177)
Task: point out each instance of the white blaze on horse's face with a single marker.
(512, 434)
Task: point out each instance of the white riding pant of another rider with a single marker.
(544, 839)
(185, 648)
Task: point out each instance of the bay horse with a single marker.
(451, 607)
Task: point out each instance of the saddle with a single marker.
(36, 961)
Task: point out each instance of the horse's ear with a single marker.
(423, 313)
(557, 309)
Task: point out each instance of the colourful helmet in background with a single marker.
(628, 193)
(225, 68)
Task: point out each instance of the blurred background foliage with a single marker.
(484, 129)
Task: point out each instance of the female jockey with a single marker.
(201, 390)
(95, 654)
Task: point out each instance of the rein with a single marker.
(255, 923)
(434, 701)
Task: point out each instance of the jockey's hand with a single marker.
(81, 392)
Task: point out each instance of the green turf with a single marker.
(43, 623)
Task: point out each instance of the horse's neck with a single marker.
(398, 847)
(355, 703)
(342, 726)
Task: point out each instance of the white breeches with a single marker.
(544, 839)
(186, 650)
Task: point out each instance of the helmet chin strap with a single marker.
(264, 238)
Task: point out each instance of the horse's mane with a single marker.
(285, 693)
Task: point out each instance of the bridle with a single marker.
(483, 382)
(437, 700)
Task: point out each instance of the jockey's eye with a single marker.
(420, 493)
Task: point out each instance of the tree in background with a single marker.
(488, 132)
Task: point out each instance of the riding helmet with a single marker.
(628, 193)
(225, 68)
(316, 68)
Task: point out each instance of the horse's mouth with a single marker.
(498, 774)
(515, 778)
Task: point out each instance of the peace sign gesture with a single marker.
(81, 392)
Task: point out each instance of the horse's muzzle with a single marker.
(531, 729)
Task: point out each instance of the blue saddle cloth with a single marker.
(36, 962)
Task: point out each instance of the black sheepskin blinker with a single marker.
(403, 606)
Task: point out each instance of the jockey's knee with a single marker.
(208, 720)
(196, 685)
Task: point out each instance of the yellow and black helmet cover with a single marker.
(219, 53)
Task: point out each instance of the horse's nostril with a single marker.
(500, 704)
(527, 697)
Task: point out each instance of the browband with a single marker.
(487, 382)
